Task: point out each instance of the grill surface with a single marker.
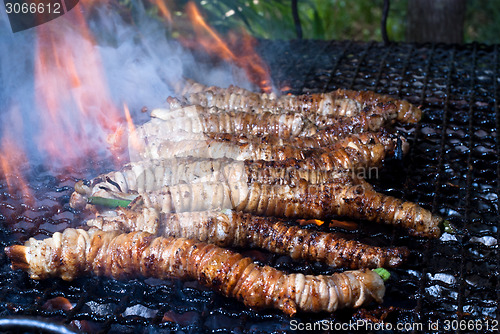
(453, 168)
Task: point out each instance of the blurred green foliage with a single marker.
(482, 21)
(272, 19)
(338, 19)
(326, 19)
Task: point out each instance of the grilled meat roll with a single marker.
(189, 86)
(343, 197)
(327, 138)
(361, 151)
(338, 103)
(287, 124)
(152, 175)
(199, 120)
(236, 229)
(282, 129)
(139, 254)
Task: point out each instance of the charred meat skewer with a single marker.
(339, 103)
(198, 120)
(140, 254)
(283, 125)
(195, 118)
(362, 151)
(236, 229)
(343, 197)
(282, 128)
(152, 175)
(188, 86)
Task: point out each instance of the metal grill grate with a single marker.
(453, 168)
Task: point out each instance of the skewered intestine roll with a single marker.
(152, 175)
(236, 229)
(200, 120)
(361, 151)
(343, 197)
(340, 102)
(286, 125)
(278, 130)
(76, 252)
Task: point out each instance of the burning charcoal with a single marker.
(58, 303)
(183, 319)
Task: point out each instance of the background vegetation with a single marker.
(331, 19)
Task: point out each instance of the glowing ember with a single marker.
(71, 89)
(310, 221)
(239, 49)
(182, 319)
(58, 303)
(348, 225)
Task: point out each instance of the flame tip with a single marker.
(239, 50)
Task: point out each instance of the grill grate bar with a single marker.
(415, 138)
(283, 69)
(426, 76)
(403, 71)
(70, 315)
(465, 237)
(382, 65)
(310, 73)
(334, 68)
(497, 114)
(417, 316)
(428, 243)
(359, 64)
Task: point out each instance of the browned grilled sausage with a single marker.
(236, 229)
(361, 151)
(343, 197)
(197, 119)
(139, 254)
(152, 175)
(286, 125)
(339, 103)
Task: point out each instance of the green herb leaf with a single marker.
(447, 227)
(384, 274)
(109, 202)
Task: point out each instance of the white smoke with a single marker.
(140, 63)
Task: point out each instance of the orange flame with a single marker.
(317, 222)
(125, 138)
(71, 88)
(134, 139)
(163, 9)
(12, 159)
(240, 49)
